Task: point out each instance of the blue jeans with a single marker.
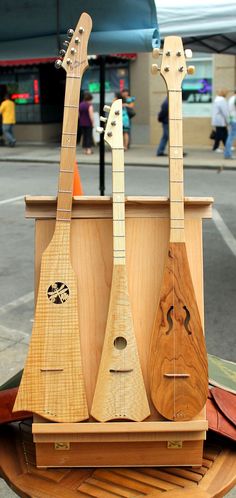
(164, 139)
(7, 130)
(230, 140)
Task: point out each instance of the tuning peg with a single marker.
(62, 52)
(81, 30)
(68, 61)
(191, 69)
(103, 119)
(113, 123)
(155, 69)
(156, 53)
(70, 32)
(100, 130)
(178, 53)
(72, 50)
(58, 63)
(188, 53)
(77, 40)
(66, 43)
(106, 108)
(117, 113)
(166, 69)
(181, 68)
(109, 134)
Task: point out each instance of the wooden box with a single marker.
(154, 441)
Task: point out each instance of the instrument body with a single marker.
(178, 359)
(52, 384)
(120, 391)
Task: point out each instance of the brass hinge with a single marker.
(61, 446)
(174, 445)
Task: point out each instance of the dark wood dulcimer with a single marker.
(178, 358)
(53, 384)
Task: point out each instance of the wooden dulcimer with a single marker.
(178, 358)
(120, 392)
(52, 384)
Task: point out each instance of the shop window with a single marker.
(197, 88)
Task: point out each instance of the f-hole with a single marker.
(187, 319)
(169, 320)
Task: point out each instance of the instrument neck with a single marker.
(176, 167)
(118, 189)
(68, 149)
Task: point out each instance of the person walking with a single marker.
(7, 110)
(232, 127)
(128, 109)
(86, 123)
(163, 119)
(220, 118)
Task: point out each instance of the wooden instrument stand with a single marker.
(155, 441)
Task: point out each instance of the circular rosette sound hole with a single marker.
(58, 293)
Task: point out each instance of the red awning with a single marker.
(27, 62)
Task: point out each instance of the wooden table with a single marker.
(17, 466)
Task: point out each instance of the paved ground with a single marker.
(40, 178)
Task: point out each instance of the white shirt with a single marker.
(220, 112)
(232, 108)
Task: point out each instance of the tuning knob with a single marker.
(191, 69)
(81, 30)
(109, 134)
(70, 32)
(77, 40)
(66, 43)
(106, 108)
(100, 130)
(68, 61)
(103, 119)
(155, 69)
(188, 53)
(62, 52)
(58, 63)
(72, 50)
(156, 53)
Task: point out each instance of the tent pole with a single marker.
(102, 60)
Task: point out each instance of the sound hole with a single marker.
(187, 319)
(120, 343)
(169, 320)
(58, 293)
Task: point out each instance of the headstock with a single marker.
(173, 66)
(114, 125)
(74, 56)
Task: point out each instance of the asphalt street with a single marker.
(17, 250)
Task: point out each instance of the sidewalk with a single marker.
(138, 155)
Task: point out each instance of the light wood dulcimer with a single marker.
(120, 392)
(178, 358)
(52, 384)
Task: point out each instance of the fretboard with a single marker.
(118, 187)
(176, 167)
(68, 148)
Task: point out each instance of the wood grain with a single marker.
(52, 384)
(178, 361)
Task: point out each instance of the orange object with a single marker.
(77, 185)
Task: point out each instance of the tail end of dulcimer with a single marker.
(178, 356)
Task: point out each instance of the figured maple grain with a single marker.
(178, 359)
(120, 391)
(52, 384)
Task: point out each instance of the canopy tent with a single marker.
(206, 26)
(36, 29)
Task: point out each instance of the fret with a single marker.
(70, 106)
(65, 191)
(68, 132)
(66, 171)
(73, 77)
(63, 219)
(66, 210)
(67, 146)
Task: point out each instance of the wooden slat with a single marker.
(188, 474)
(168, 477)
(121, 491)
(96, 492)
(122, 480)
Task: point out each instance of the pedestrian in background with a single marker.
(163, 119)
(220, 118)
(128, 104)
(7, 110)
(86, 122)
(232, 126)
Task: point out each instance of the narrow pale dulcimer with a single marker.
(120, 392)
(178, 358)
(52, 384)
